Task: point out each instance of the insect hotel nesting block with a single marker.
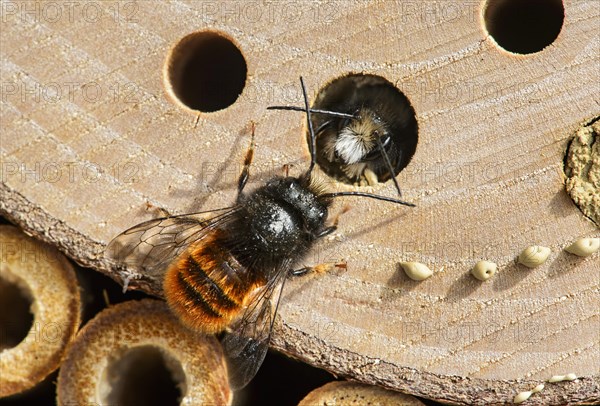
(101, 117)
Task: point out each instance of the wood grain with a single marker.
(89, 137)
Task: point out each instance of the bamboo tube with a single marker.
(347, 393)
(136, 351)
(35, 280)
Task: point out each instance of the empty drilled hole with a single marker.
(524, 26)
(350, 149)
(205, 71)
(143, 376)
(16, 318)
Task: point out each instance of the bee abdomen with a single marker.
(201, 291)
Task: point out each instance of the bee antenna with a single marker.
(313, 111)
(369, 195)
(312, 146)
(311, 131)
(386, 159)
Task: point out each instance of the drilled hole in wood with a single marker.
(205, 71)
(347, 148)
(524, 26)
(16, 318)
(143, 376)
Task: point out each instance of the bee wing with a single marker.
(246, 342)
(151, 246)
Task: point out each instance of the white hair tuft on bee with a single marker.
(351, 146)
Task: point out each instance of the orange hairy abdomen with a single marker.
(206, 287)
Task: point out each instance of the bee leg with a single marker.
(330, 229)
(326, 231)
(319, 269)
(370, 177)
(159, 210)
(299, 272)
(243, 179)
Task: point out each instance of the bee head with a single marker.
(357, 137)
(301, 195)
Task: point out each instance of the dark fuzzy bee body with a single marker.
(272, 228)
(347, 148)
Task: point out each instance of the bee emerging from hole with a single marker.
(224, 270)
(374, 136)
(359, 146)
(356, 139)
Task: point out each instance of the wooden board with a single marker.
(89, 136)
